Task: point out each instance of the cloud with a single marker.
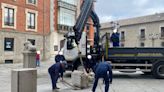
(106, 18)
(121, 9)
(154, 10)
(140, 3)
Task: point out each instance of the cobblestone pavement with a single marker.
(122, 82)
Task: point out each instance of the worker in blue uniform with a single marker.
(103, 70)
(56, 71)
(60, 56)
(115, 38)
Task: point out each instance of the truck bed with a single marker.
(135, 53)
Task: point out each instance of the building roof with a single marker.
(138, 20)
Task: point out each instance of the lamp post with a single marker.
(115, 25)
(153, 37)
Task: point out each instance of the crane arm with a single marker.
(82, 19)
(96, 22)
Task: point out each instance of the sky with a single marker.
(110, 10)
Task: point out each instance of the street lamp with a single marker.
(153, 37)
(115, 25)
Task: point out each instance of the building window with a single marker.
(32, 41)
(142, 44)
(55, 48)
(122, 45)
(8, 16)
(162, 44)
(31, 20)
(66, 17)
(73, 2)
(142, 33)
(9, 44)
(8, 61)
(32, 2)
(62, 43)
(122, 35)
(162, 32)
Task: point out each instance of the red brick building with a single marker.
(20, 21)
(65, 13)
(63, 16)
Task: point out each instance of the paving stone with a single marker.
(122, 82)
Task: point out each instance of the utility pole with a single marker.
(44, 39)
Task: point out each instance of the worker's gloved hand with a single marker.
(110, 82)
(79, 52)
(61, 80)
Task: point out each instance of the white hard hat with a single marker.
(60, 53)
(115, 30)
(89, 56)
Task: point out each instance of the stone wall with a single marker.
(19, 39)
(132, 34)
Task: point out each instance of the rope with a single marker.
(100, 87)
(81, 60)
(70, 84)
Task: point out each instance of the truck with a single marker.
(76, 47)
(75, 50)
(149, 60)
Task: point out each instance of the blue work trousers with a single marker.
(54, 78)
(106, 79)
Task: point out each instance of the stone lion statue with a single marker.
(29, 47)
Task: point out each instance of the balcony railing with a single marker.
(64, 28)
(162, 36)
(66, 5)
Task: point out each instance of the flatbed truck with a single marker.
(149, 60)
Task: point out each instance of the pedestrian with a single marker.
(38, 59)
(103, 70)
(56, 71)
(61, 58)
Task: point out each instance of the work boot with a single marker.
(55, 90)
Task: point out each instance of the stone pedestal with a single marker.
(29, 59)
(79, 79)
(24, 80)
(91, 77)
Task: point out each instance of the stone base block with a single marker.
(91, 77)
(79, 79)
(24, 80)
